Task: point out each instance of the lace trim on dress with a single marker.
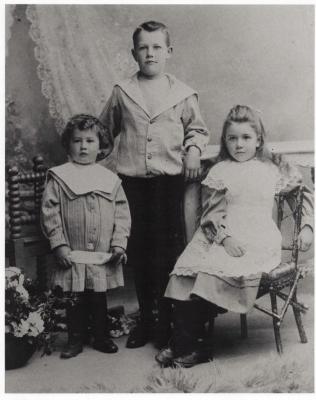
(289, 178)
(212, 183)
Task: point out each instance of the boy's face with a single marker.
(151, 53)
(84, 146)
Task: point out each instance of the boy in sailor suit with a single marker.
(86, 218)
(162, 135)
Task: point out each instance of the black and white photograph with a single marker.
(159, 198)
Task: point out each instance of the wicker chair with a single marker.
(283, 278)
(25, 239)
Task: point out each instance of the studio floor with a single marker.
(239, 365)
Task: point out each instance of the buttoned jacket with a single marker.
(151, 145)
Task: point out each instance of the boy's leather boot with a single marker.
(144, 329)
(73, 347)
(139, 336)
(75, 322)
(98, 307)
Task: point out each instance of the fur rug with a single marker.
(272, 374)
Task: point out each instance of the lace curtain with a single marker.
(9, 9)
(81, 53)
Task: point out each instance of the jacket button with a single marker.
(90, 246)
(149, 139)
(149, 156)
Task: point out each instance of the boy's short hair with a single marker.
(151, 26)
(83, 122)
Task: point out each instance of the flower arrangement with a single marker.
(30, 314)
(37, 316)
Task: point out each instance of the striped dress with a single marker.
(85, 208)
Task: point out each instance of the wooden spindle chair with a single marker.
(25, 239)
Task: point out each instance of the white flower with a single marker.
(36, 324)
(13, 277)
(10, 271)
(23, 292)
(21, 329)
(32, 326)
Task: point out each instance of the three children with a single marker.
(161, 137)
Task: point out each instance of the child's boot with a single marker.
(98, 307)
(73, 347)
(74, 313)
(143, 331)
(189, 334)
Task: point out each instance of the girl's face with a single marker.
(241, 141)
(151, 53)
(84, 146)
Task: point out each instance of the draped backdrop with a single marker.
(9, 9)
(72, 50)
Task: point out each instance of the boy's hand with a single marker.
(118, 256)
(305, 238)
(233, 247)
(192, 163)
(62, 255)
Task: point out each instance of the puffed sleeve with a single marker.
(195, 131)
(111, 114)
(51, 222)
(214, 205)
(122, 220)
(289, 178)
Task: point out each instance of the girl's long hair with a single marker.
(239, 114)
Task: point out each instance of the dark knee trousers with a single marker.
(157, 239)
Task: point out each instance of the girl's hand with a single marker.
(62, 255)
(192, 163)
(118, 256)
(305, 238)
(233, 247)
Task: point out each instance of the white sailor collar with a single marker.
(83, 179)
(179, 91)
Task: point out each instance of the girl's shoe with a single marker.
(192, 359)
(105, 346)
(165, 357)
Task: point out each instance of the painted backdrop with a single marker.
(262, 56)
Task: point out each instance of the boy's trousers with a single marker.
(157, 239)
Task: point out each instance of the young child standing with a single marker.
(162, 135)
(237, 239)
(85, 216)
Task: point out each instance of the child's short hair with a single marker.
(83, 122)
(151, 26)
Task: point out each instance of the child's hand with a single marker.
(192, 163)
(62, 255)
(305, 238)
(118, 256)
(233, 247)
